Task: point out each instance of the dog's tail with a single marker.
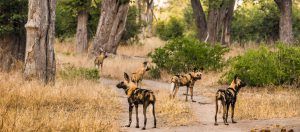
(172, 87)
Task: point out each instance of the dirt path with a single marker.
(204, 109)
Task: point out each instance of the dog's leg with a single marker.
(176, 90)
(187, 92)
(130, 115)
(227, 109)
(192, 92)
(145, 114)
(137, 116)
(232, 112)
(216, 110)
(224, 112)
(153, 112)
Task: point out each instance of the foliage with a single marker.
(72, 72)
(173, 28)
(259, 21)
(66, 16)
(266, 67)
(132, 26)
(154, 73)
(185, 54)
(13, 16)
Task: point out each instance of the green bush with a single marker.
(185, 54)
(266, 67)
(154, 73)
(171, 29)
(72, 72)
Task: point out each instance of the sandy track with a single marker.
(205, 109)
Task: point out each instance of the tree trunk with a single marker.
(212, 26)
(40, 27)
(149, 16)
(110, 27)
(200, 19)
(12, 50)
(285, 23)
(81, 32)
(226, 29)
(139, 7)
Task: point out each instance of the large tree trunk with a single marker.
(149, 16)
(219, 21)
(285, 23)
(12, 51)
(213, 25)
(40, 27)
(111, 26)
(200, 19)
(81, 32)
(226, 28)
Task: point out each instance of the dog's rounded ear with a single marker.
(145, 63)
(201, 68)
(195, 69)
(126, 77)
(235, 76)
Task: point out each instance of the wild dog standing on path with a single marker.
(137, 96)
(187, 80)
(228, 98)
(138, 75)
(100, 59)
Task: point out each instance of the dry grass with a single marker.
(173, 112)
(68, 106)
(267, 103)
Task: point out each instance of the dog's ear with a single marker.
(235, 77)
(195, 69)
(201, 68)
(126, 77)
(145, 63)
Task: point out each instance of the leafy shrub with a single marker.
(154, 73)
(72, 72)
(13, 16)
(265, 67)
(171, 29)
(184, 54)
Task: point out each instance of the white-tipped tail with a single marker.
(172, 87)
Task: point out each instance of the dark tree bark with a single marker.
(285, 23)
(12, 51)
(226, 28)
(200, 19)
(40, 27)
(213, 24)
(149, 15)
(110, 27)
(219, 21)
(81, 32)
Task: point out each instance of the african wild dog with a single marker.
(187, 80)
(228, 98)
(138, 75)
(99, 60)
(137, 96)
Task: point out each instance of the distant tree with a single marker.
(285, 23)
(216, 28)
(111, 26)
(81, 9)
(40, 28)
(13, 16)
